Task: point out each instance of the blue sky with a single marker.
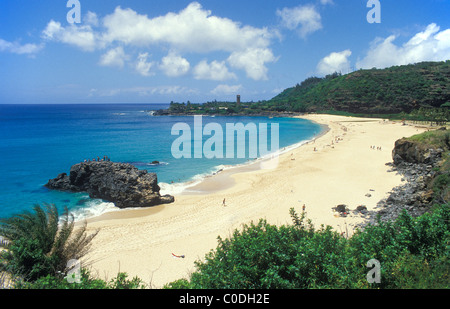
(153, 51)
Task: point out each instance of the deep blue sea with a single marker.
(38, 142)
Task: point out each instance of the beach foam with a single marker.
(177, 188)
(93, 208)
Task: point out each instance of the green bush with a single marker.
(86, 282)
(26, 258)
(425, 238)
(263, 256)
(180, 284)
(413, 252)
(412, 272)
(41, 243)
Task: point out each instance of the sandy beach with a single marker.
(339, 167)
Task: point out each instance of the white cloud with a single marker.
(143, 91)
(253, 61)
(192, 29)
(115, 57)
(17, 48)
(213, 71)
(335, 62)
(195, 30)
(142, 66)
(324, 2)
(174, 65)
(80, 36)
(305, 19)
(91, 19)
(226, 89)
(428, 45)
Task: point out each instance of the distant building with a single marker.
(238, 99)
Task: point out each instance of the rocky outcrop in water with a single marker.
(119, 183)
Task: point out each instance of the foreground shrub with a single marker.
(86, 281)
(423, 239)
(263, 256)
(413, 272)
(41, 243)
(413, 253)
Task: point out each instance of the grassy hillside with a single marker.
(377, 91)
(413, 92)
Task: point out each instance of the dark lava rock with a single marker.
(119, 183)
(413, 152)
(362, 209)
(342, 209)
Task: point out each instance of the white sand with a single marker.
(342, 171)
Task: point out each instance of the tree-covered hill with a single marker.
(377, 91)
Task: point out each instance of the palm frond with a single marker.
(55, 236)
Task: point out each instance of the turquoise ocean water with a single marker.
(40, 141)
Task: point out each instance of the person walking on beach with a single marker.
(223, 203)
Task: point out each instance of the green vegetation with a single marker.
(413, 253)
(434, 138)
(419, 92)
(41, 243)
(221, 108)
(38, 246)
(398, 89)
(87, 282)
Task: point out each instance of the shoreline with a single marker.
(206, 183)
(222, 179)
(344, 169)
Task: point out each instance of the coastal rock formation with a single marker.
(119, 183)
(413, 152)
(417, 165)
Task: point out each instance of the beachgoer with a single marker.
(304, 208)
(223, 203)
